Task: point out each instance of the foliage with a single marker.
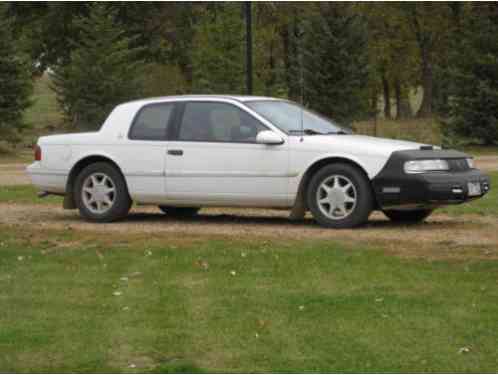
(218, 51)
(102, 72)
(335, 62)
(15, 82)
(361, 51)
(474, 89)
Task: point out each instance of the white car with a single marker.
(186, 152)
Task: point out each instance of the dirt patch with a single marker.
(441, 237)
(487, 163)
(13, 174)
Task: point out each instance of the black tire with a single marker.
(408, 216)
(121, 198)
(359, 212)
(179, 211)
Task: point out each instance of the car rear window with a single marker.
(151, 123)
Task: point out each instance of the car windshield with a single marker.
(287, 117)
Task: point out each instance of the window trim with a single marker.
(169, 125)
(181, 113)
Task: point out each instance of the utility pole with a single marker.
(248, 17)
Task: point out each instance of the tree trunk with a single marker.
(427, 83)
(403, 109)
(387, 97)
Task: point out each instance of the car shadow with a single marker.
(234, 219)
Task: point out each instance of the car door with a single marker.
(214, 159)
(143, 153)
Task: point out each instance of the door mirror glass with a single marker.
(267, 137)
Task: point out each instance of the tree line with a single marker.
(341, 59)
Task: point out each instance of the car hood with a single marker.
(367, 144)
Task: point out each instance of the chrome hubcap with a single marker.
(336, 197)
(98, 193)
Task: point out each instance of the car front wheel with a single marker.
(340, 196)
(408, 216)
(101, 194)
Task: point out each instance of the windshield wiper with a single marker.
(307, 132)
(339, 132)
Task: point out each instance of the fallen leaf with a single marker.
(202, 264)
(262, 322)
(117, 293)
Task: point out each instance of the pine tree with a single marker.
(15, 82)
(335, 62)
(102, 71)
(474, 95)
(218, 51)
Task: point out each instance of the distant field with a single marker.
(417, 130)
(43, 117)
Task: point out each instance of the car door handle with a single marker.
(175, 152)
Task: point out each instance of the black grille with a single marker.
(458, 165)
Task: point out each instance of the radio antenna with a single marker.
(299, 35)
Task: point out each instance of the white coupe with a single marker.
(186, 152)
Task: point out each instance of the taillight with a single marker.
(38, 153)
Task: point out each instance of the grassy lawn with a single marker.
(44, 113)
(83, 302)
(25, 194)
(481, 150)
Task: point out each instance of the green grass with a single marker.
(215, 305)
(25, 194)
(481, 150)
(417, 130)
(488, 205)
(44, 113)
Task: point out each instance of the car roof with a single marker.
(239, 98)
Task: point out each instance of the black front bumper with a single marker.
(396, 189)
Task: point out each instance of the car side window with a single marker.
(218, 122)
(151, 123)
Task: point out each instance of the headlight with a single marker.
(470, 163)
(421, 166)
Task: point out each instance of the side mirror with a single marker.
(267, 137)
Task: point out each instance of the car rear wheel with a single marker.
(180, 211)
(408, 216)
(340, 196)
(101, 194)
